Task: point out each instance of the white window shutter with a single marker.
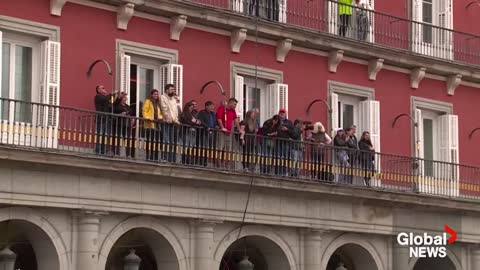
(371, 21)
(370, 121)
(50, 93)
(282, 16)
(173, 73)
(237, 6)
(448, 138)
(333, 20)
(417, 18)
(125, 74)
(238, 93)
(445, 38)
(448, 129)
(418, 143)
(282, 90)
(334, 115)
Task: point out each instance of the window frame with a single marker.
(341, 89)
(430, 106)
(249, 71)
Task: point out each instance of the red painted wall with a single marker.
(88, 34)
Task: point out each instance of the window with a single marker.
(356, 21)
(436, 143)
(355, 105)
(274, 10)
(30, 57)
(265, 93)
(143, 68)
(429, 35)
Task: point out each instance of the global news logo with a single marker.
(426, 245)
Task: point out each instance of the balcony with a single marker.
(81, 132)
(365, 25)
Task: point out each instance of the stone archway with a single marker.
(35, 241)
(354, 251)
(267, 248)
(154, 243)
(262, 252)
(434, 263)
(353, 257)
(451, 262)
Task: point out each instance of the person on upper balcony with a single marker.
(363, 15)
(345, 14)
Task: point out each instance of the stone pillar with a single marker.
(87, 240)
(475, 257)
(312, 259)
(203, 258)
(400, 256)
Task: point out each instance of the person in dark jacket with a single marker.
(269, 134)
(208, 134)
(342, 157)
(190, 134)
(367, 156)
(123, 127)
(282, 147)
(352, 145)
(103, 106)
(297, 146)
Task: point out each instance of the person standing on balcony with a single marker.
(248, 133)
(297, 146)
(190, 133)
(227, 120)
(321, 141)
(367, 156)
(283, 143)
(352, 145)
(153, 115)
(345, 13)
(342, 157)
(103, 105)
(171, 111)
(208, 134)
(269, 134)
(124, 127)
(362, 21)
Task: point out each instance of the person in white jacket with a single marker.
(363, 20)
(171, 111)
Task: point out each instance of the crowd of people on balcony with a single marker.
(216, 137)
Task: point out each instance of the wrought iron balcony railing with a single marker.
(364, 25)
(116, 136)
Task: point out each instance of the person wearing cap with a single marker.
(282, 147)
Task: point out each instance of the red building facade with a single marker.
(215, 43)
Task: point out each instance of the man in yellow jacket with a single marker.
(153, 115)
(345, 12)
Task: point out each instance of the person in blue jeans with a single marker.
(103, 105)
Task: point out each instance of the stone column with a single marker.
(312, 259)
(87, 240)
(400, 256)
(475, 257)
(203, 258)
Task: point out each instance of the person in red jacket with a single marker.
(227, 119)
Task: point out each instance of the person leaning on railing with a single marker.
(248, 132)
(367, 156)
(123, 126)
(190, 133)
(152, 115)
(269, 133)
(321, 141)
(341, 155)
(208, 134)
(103, 105)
